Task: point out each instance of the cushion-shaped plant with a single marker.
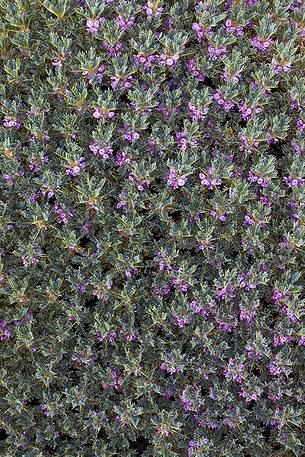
(152, 228)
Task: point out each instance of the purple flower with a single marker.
(293, 182)
(233, 371)
(232, 28)
(175, 181)
(280, 67)
(247, 315)
(50, 193)
(39, 138)
(163, 431)
(226, 292)
(297, 147)
(252, 351)
(96, 73)
(102, 112)
(122, 158)
(192, 68)
(300, 125)
(198, 114)
(180, 321)
(280, 340)
(208, 182)
(113, 50)
(216, 53)
(125, 24)
(122, 202)
(263, 182)
(205, 245)
(9, 122)
(301, 341)
(277, 295)
(225, 103)
(248, 144)
(152, 9)
(169, 369)
(226, 76)
(217, 214)
(93, 25)
(196, 306)
(248, 396)
(194, 446)
(179, 282)
(248, 220)
(225, 327)
(58, 60)
(112, 337)
(140, 183)
(5, 333)
(29, 260)
(201, 31)
(75, 167)
(261, 44)
(248, 112)
(99, 150)
(131, 336)
(164, 264)
(130, 136)
(61, 215)
(274, 368)
(180, 136)
(170, 61)
(147, 61)
(124, 82)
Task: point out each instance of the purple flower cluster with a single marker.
(99, 150)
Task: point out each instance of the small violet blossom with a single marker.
(99, 150)
(113, 50)
(61, 215)
(222, 216)
(152, 9)
(280, 67)
(9, 122)
(97, 73)
(122, 82)
(125, 24)
(5, 333)
(146, 61)
(198, 114)
(216, 53)
(234, 372)
(261, 44)
(93, 25)
(293, 182)
(233, 28)
(170, 61)
(263, 182)
(175, 181)
(75, 167)
(208, 182)
(200, 31)
(130, 135)
(103, 113)
(225, 103)
(247, 112)
(193, 69)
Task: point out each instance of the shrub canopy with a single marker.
(152, 228)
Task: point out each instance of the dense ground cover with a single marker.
(152, 228)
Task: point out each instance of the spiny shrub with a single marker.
(152, 228)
